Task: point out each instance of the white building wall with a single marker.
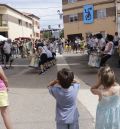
(16, 30)
(118, 18)
(36, 29)
(18, 15)
(119, 26)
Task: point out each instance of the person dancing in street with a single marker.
(108, 52)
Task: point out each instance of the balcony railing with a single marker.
(3, 23)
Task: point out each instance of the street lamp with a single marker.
(60, 14)
(61, 17)
(49, 31)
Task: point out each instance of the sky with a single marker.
(45, 9)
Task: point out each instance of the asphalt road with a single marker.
(31, 106)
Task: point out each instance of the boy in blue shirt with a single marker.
(65, 90)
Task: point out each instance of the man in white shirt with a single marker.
(7, 52)
(107, 53)
(101, 42)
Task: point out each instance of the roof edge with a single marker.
(5, 5)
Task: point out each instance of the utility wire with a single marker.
(49, 15)
(51, 25)
(49, 20)
(41, 8)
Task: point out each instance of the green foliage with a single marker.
(47, 34)
(62, 34)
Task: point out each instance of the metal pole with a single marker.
(116, 17)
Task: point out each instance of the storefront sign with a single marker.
(88, 14)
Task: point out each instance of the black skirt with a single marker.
(43, 59)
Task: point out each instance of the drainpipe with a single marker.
(116, 15)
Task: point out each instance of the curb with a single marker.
(87, 99)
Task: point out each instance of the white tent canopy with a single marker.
(2, 38)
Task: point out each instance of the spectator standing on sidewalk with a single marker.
(21, 48)
(12, 55)
(119, 53)
(77, 43)
(65, 91)
(7, 52)
(116, 39)
(108, 109)
(2, 51)
(4, 99)
(60, 46)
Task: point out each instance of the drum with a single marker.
(94, 60)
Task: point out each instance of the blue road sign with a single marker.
(88, 14)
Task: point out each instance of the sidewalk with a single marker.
(87, 99)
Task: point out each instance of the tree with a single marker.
(62, 33)
(47, 34)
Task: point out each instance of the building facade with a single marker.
(36, 25)
(118, 15)
(15, 24)
(104, 17)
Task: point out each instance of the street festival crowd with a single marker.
(65, 88)
(43, 52)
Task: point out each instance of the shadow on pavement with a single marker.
(30, 78)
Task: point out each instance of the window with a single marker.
(36, 23)
(4, 23)
(72, 1)
(30, 25)
(26, 24)
(73, 17)
(19, 21)
(101, 13)
(0, 19)
(37, 34)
